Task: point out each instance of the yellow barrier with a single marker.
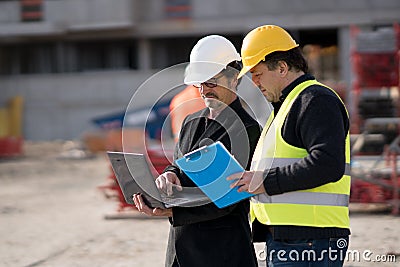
(4, 128)
(11, 118)
(15, 106)
(11, 139)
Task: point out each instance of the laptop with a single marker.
(134, 176)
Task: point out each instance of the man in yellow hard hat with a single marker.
(300, 169)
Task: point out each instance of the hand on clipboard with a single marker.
(248, 181)
(209, 167)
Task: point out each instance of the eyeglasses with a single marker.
(211, 83)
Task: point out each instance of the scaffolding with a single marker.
(376, 116)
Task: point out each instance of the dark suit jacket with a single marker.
(206, 235)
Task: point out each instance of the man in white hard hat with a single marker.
(206, 235)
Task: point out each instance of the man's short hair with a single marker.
(293, 58)
(232, 69)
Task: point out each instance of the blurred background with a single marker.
(68, 71)
(74, 60)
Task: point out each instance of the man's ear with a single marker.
(283, 68)
(234, 82)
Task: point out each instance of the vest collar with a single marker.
(286, 91)
(290, 87)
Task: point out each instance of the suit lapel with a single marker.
(196, 131)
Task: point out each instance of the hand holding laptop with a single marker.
(165, 182)
(142, 207)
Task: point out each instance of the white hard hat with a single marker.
(209, 57)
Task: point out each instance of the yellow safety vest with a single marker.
(323, 206)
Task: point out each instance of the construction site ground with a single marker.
(53, 214)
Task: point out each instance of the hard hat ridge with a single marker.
(263, 41)
(208, 57)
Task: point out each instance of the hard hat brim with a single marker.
(199, 72)
(244, 70)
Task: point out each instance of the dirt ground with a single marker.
(53, 214)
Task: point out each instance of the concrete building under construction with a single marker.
(74, 60)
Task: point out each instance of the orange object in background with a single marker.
(127, 140)
(186, 102)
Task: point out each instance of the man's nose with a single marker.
(204, 89)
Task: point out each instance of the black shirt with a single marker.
(239, 133)
(317, 122)
(206, 234)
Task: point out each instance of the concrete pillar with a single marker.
(144, 56)
(345, 67)
(60, 51)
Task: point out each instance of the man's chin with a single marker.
(212, 103)
(269, 97)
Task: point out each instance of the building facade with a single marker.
(73, 60)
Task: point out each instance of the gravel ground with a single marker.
(52, 214)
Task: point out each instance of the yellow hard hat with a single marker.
(261, 42)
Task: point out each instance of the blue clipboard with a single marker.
(208, 167)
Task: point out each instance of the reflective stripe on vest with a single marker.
(309, 198)
(323, 206)
(276, 162)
